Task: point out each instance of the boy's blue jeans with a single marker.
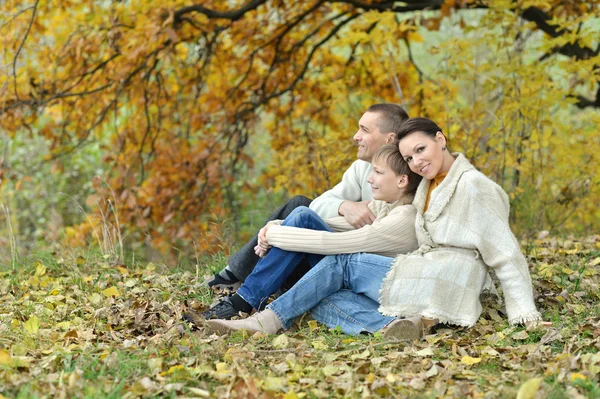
(351, 306)
(271, 271)
(342, 290)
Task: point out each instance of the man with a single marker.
(349, 198)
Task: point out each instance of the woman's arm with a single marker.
(499, 248)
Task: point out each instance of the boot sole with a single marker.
(405, 330)
(225, 287)
(221, 286)
(215, 326)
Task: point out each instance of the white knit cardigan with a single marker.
(464, 231)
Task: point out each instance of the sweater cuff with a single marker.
(272, 230)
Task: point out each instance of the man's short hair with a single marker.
(391, 117)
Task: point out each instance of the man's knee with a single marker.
(298, 200)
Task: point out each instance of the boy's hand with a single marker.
(262, 238)
(260, 252)
(263, 244)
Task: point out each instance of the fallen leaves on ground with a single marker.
(86, 328)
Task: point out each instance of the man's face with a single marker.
(368, 137)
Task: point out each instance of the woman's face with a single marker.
(424, 153)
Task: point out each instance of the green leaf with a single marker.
(281, 342)
(32, 325)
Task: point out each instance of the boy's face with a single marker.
(386, 185)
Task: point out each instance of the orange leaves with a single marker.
(185, 183)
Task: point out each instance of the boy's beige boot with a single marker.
(266, 322)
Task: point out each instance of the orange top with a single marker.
(433, 184)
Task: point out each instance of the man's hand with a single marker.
(357, 214)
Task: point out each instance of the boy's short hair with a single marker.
(390, 155)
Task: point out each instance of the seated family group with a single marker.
(404, 241)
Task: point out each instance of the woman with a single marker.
(462, 230)
(303, 234)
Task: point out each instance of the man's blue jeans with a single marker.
(271, 271)
(342, 290)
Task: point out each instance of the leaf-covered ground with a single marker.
(82, 327)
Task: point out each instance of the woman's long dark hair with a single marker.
(412, 125)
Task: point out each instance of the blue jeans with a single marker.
(354, 313)
(244, 261)
(361, 273)
(271, 271)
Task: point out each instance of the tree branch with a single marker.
(542, 21)
(583, 102)
(21, 47)
(231, 15)
(300, 43)
(388, 5)
(265, 99)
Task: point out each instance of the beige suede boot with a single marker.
(266, 322)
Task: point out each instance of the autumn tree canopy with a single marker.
(175, 92)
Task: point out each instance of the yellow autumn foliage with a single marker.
(179, 93)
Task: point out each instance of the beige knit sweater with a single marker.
(392, 232)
